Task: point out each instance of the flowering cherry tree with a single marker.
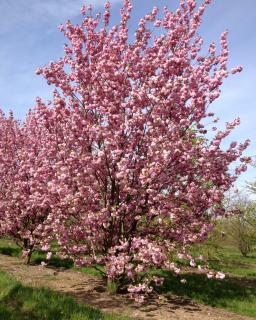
(136, 176)
(128, 175)
(25, 172)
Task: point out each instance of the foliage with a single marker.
(117, 167)
(241, 227)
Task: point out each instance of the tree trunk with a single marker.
(112, 286)
(28, 257)
(28, 248)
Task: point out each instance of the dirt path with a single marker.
(91, 291)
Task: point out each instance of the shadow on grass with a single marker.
(54, 262)
(37, 257)
(225, 293)
(10, 251)
(25, 303)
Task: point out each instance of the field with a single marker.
(236, 293)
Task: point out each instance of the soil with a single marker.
(92, 291)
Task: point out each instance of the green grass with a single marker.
(227, 294)
(231, 261)
(18, 302)
(236, 293)
(228, 259)
(9, 248)
(233, 293)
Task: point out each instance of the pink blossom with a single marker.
(45, 247)
(192, 263)
(220, 275)
(237, 69)
(49, 255)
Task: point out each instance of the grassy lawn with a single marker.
(227, 293)
(236, 293)
(231, 261)
(18, 302)
(228, 259)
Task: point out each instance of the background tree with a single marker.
(241, 225)
(25, 171)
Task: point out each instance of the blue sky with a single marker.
(29, 38)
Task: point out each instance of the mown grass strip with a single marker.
(18, 302)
